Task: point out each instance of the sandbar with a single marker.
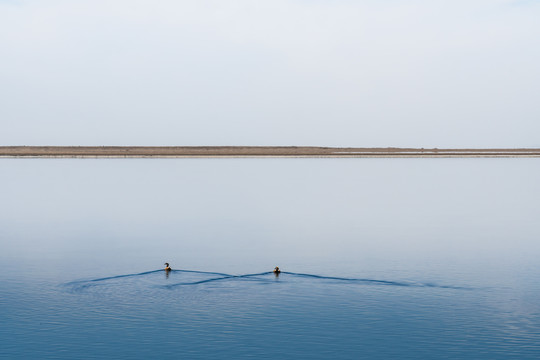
(252, 151)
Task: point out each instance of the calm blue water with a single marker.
(381, 258)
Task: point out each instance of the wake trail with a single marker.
(112, 277)
(81, 284)
(382, 282)
(375, 282)
(226, 277)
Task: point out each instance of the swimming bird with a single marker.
(167, 267)
(276, 270)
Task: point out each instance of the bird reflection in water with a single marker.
(167, 270)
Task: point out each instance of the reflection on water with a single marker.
(380, 258)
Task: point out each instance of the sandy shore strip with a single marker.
(249, 151)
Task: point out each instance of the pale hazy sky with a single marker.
(429, 73)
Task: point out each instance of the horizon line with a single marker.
(201, 151)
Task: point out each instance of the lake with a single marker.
(380, 258)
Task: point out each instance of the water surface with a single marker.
(381, 258)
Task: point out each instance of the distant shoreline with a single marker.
(250, 151)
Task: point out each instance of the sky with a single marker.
(409, 73)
